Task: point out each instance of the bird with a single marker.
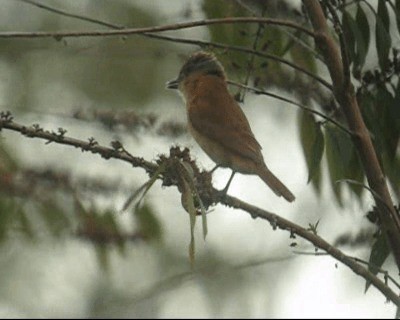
(217, 122)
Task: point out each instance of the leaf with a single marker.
(379, 252)
(383, 14)
(188, 204)
(26, 225)
(317, 152)
(55, 218)
(148, 223)
(397, 13)
(362, 36)
(349, 27)
(389, 130)
(7, 208)
(339, 152)
(355, 172)
(200, 202)
(382, 34)
(229, 33)
(393, 174)
(145, 187)
(308, 134)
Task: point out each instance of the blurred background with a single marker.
(67, 247)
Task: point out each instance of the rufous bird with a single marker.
(217, 122)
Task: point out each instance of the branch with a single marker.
(206, 190)
(307, 109)
(202, 43)
(181, 40)
(344, 94)
(72, 15)
(131, 31)
(116, 152)
(281, 223)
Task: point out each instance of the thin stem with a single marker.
(162, 28)
(73, 15)
(184, 41)
(202, 43)
(303, 107)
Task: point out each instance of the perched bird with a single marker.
(217, 122)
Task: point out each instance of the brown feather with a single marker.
(217, 116)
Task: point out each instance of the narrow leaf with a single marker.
(397, 13)
(362, 36)
(379, 252)
(188, 169)
(145, 187)
(383, 39)
(349, 26)
(308, 134)
(317, 152)
(188, 204)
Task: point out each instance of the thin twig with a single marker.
(343, 46)
(203, 44)
(162, 28)
(279, 222)
(184, 41)
(250, 61)
(303, 107)
(73, 15)
(359, 260)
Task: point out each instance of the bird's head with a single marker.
(199, 64)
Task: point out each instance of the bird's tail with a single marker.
(275, 184)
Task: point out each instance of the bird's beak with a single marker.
(173, 84)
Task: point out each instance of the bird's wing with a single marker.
(221, 119)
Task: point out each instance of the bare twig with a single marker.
(359, 260)
(307, 109)
(131, 31)
(203, 44)
(73, 15)
(184, 41)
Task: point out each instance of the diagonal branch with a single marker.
(118, 152)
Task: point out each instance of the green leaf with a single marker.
(379, 252)
(389, 131)
(393, 174)
(26, 225)
(7, 209)
(339, 153)
(355, 172)
(313, 143)
(148, 223)
(397, 13)
(383, 14)
(317, 152)
(349, 28)
(55, 217)
(362, 36)
(382, 34)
